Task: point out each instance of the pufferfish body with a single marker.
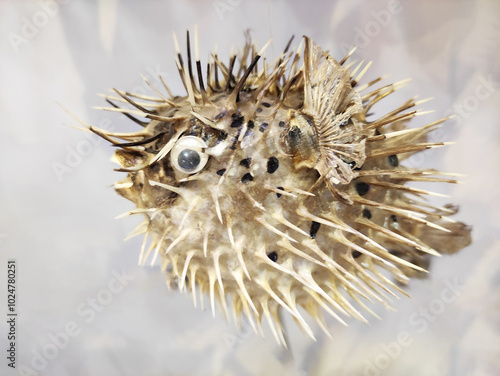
(271, 187)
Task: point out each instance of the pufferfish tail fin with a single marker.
(433, 236)
(458, 237)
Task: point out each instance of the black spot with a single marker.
(393, 160)
(237, 120)
(314, 229)
(220, 115)
(234, 142)
(367, 214)
(246, 162)
(282, 124)
(235, 139)
(272, 164)
(356, 254)
(396, 253)
(265, 104)
(155, 167)
(362, 188)
(279, 194)
(248, 132)
(259, 109)
(273, 256)
(394, 218)
(141, 185)
(263, 127)
(222, 135)
(221, 171)
(250, 124)
(246, 178)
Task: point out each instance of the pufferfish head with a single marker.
(272, 187)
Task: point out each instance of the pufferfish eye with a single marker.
(187, 155)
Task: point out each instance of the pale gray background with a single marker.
(68, 244)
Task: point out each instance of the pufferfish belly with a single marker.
(272, 187)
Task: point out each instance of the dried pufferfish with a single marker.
(274, 186)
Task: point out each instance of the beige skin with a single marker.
(298, 199)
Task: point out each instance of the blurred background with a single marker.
(86, 308)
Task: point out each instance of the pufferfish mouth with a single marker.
(274, 186)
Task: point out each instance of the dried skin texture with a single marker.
(272, 184)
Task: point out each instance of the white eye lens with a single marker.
(187, 155)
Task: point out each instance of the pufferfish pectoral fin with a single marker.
(331, 102)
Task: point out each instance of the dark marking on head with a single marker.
(221, 172)
(356, 254)
(246, 162)
(263, 127)
(272, 164)
(259, 110)
(279, 194)
(362, 188)
(282, 124)
(314, 229)
(273, 256)
(250, 124)
(265, 104)
(393, 160)
(367, 214)
(246, 178)
(237, 120)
